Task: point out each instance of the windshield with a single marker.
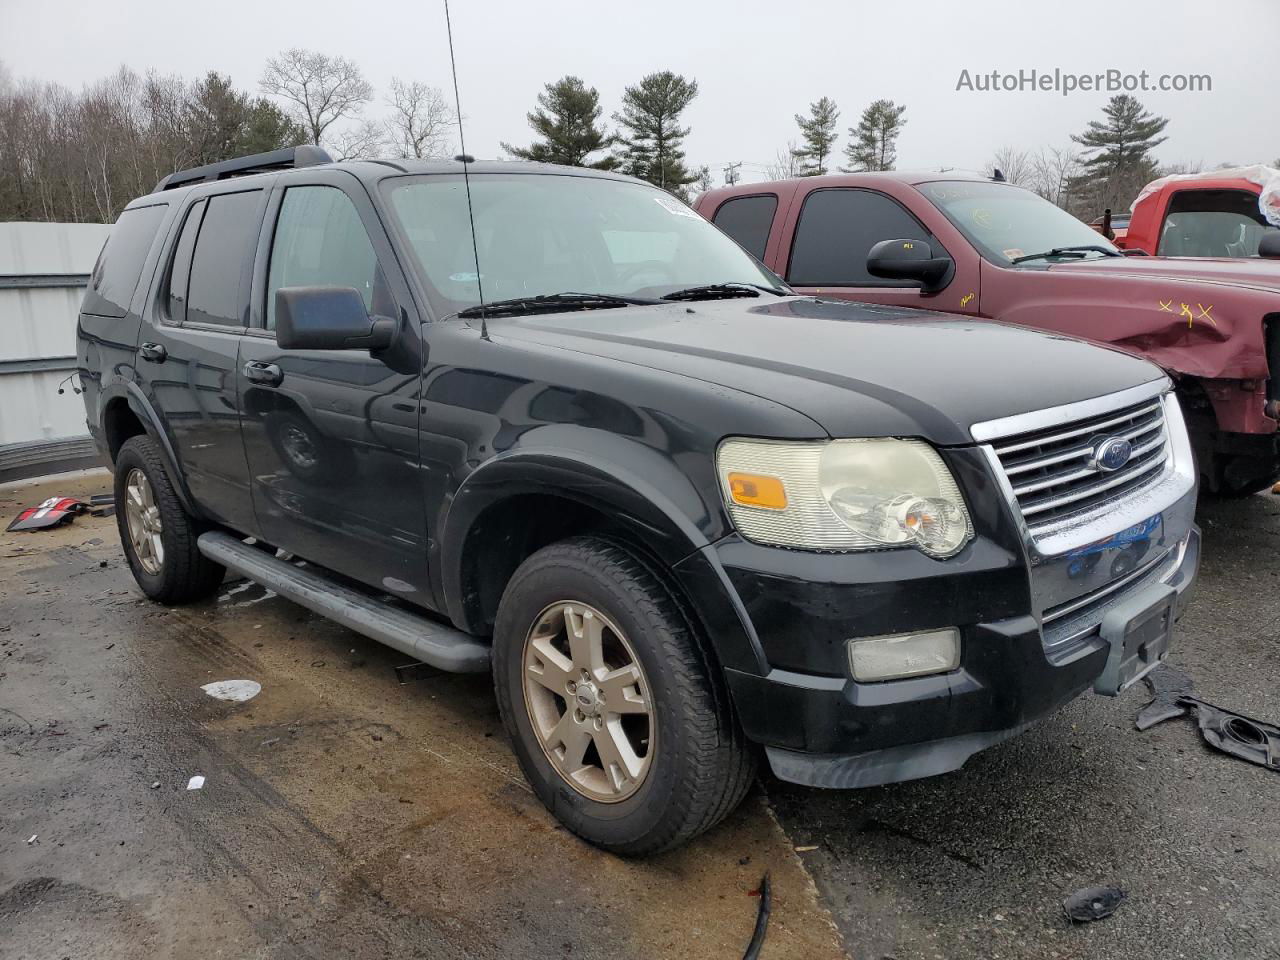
(1006, 222)
(547, 234)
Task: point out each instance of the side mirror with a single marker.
(328, 318)
(1269, 245)
(909, 260)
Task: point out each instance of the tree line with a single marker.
(82, 156)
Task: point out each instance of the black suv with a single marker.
(550, 422)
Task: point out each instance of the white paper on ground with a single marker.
(195, 783)
(237, 691)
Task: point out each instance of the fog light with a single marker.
(905, 655)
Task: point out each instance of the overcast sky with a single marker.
(756, 63)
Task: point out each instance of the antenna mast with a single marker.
(466, 179)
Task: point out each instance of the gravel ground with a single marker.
(344, 816)
(977, 863)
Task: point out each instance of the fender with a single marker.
(150, 420)
(636, 485)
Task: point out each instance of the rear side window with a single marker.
(747, 220)
(180, 272)
(320, 241)
(224, 246)
(837, 230)
(115, 276)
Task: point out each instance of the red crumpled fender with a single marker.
(1156, 308)
(1196, 327)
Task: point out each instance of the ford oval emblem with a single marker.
(1110, 454)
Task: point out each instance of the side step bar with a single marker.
(441, 646)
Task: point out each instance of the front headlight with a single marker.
(843, 495)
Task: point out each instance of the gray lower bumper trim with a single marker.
(891, 765)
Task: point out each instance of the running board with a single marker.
(416, 636)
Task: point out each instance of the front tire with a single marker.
(621, 723)
(157, 533)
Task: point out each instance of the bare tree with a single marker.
(785, 164)
(421, 122)
(362, 140)
(1052, 168)
(704, 182)
(321, 89)
(1015, 165)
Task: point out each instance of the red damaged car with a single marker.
(968, 245)
(1226, 213)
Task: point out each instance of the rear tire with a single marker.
(692, 764)
(157, 533)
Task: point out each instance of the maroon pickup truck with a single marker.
(962, 244)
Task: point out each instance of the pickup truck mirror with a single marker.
(328, 318)
(909, 260)
(1269, 245)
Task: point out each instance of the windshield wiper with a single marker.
(722, 291)
(1077, 251)
(552, 303)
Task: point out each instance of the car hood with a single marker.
(1251, 272)
(855, 369)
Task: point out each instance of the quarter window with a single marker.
(748, 220)
(837, 230)
(228, 233)
(115, 275)
(320, 241)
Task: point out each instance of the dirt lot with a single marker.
(345, 814)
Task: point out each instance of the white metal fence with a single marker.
(43, 271)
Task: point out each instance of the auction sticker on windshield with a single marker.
(671, 205)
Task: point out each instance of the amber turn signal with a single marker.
(755, 490)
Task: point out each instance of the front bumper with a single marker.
(835, 732)
(1029, 611)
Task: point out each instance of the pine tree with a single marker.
(267, 127)
(225, 122)
(819, 132)
(566, 119)
(1116, 158)
(873, 143)
(653, 138)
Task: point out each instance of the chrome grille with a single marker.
(1049, 468)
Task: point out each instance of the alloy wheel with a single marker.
(589, 701)
(143, 518)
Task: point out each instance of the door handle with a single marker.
(268, 374)
(155, 352)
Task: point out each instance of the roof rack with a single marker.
(303, 156)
